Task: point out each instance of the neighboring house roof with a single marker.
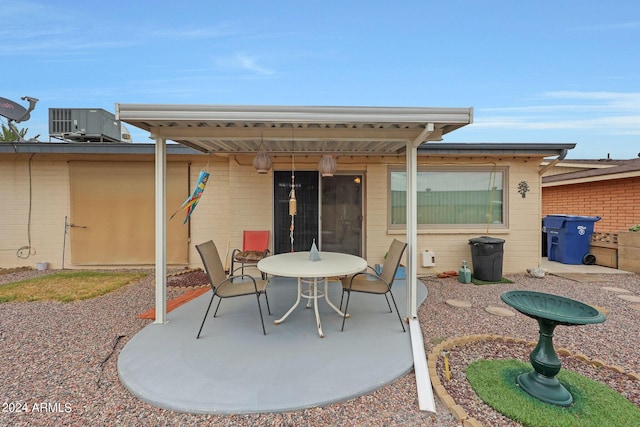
(615, 169)
(90, 148)
(499, 149)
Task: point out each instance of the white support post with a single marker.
(412, 229)
(412, 218)
(426, 401)
(161, 228)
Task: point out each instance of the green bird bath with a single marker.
(550, 311)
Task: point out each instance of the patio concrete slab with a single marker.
(233, 368)
(583, 277)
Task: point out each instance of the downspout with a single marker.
(541, 172)
(426, 401)
(554, 162)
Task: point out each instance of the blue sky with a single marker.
(564, 71)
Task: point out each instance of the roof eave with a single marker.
(291, 114)
(519, 149)
(89, 148)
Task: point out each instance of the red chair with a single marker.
(255, 246)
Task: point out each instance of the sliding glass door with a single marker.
(329, 210)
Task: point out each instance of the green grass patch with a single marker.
(66, 286)
(595, 404)
(482, 282)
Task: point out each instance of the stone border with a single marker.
(458, 411)
(14, 270)
(183, 272)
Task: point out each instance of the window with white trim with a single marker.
(460, 197)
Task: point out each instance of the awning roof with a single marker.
(241, 128)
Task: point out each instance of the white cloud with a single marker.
(222, 30)
(245, 62)
(623, 100)
(612, 26)
(596, 111)
(250, 64)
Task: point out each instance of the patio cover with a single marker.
(234, 129)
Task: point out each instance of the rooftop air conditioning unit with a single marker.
(84, 125)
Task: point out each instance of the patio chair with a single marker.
(373, 283)
(223, 286)
(255, 246)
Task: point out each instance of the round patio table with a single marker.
(298, 264)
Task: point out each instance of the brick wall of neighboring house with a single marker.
(616, 201)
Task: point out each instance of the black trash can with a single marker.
(486, 257)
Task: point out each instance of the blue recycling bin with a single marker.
(569, 238)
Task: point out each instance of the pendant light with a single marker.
(262, 161)
(327, 165)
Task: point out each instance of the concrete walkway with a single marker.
(557, 267)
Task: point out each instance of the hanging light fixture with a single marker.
(327, 165)
(262, 161)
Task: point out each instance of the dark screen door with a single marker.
(305, 222)
(342, 214)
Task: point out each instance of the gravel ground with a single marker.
(59, 360)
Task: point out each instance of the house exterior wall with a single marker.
(377, 239)
(615, 201)
(210, 220)
(522, 245)
(251, 198)
(35, 201)
(237, 198)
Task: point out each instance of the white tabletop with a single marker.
(298, 264)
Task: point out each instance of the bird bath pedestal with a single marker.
(550, 311)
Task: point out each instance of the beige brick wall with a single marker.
(522, 237)
(523, 244)
(210, 220)
(251, 200)
(237, 198)
(377, 238)
(48, 201)
(250, 206)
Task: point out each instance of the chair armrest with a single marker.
(364, 273)
(374, 270)
(229, 280)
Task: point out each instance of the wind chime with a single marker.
(293, 204)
